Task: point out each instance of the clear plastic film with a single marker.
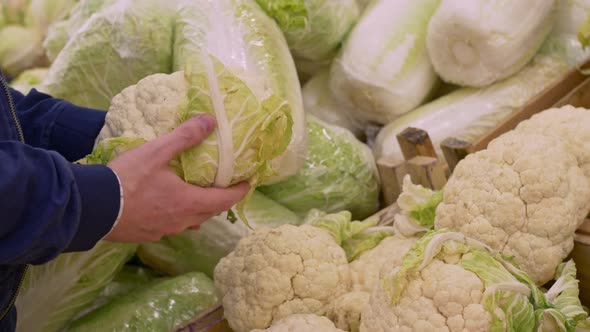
(164, 305)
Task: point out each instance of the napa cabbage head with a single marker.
(466, 114)
(60, 32)
(14, 11)
(41, 14)
(563, 40)
(383, 70)
(20, 49)
(339, 174)
(53, 293)
(201, 250)
(244, 77)
(113, 49)
(318, 101)
(477, 43)
(313, 28)
(167, 304)
(584, 32)
(24, 25)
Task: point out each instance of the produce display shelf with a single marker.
(426, 168)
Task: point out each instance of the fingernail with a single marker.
(207, 122)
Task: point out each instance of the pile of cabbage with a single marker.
(24, 25)
(298, 88)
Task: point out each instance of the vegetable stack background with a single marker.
(308, 94)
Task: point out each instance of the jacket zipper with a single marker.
(19, 129)
(15, 295)
(21, 137)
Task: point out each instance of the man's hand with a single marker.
(156, 201)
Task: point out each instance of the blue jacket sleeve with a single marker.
(55, 124)
(50, 205)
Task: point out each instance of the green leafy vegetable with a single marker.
(55, 292)
(355, 237)
(339, 174)
(166, 305)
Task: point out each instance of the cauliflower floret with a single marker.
(275, 273)
(525, 196)
(442, 298)
(365, 270)
(346, 310)
(449, 283)
(568, 123)
(302, 323)
(146, 110)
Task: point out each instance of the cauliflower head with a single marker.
(346, 310)
(569, 123)
(302, 323)
(524, 196)
(238, 150)
(448, 282)
(274, 273)
(365, 270)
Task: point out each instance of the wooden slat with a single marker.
(581, 255)
(427, 171)
(415, 142)
(392, 172)
(579, 97)
(547, 99)
(585, 229)
(454, 150)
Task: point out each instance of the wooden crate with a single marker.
(421, 163)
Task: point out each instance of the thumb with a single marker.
(190, 133)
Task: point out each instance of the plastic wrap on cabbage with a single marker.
(339, 174)
(253, 60)
(468, 113)
(60, 32)
(55, 292)
(313, 28)
(112, 50)
(166, 305)
(383, 70)
(318, 101)
(200, 250)
(29, 79)
(131, 277)
(227, 48)
(479, 42)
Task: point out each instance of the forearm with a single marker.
(56, 124)
(51, 206)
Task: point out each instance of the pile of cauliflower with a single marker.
(470, 258)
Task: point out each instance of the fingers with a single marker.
(216, 200)
(223, 199)
(190, 133)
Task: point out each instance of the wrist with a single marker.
(99, 192)
(121, 203)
